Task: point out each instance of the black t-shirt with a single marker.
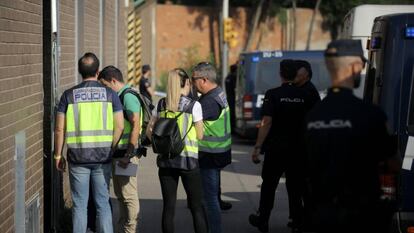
(144, 83)
(346, 139)
(231, 87)
(312, 91)
(211, 111)
(287, 105)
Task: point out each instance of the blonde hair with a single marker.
(173, 91)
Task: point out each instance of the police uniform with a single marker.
(312, 91)
(346, 140)
(89, 109)
(284, 147)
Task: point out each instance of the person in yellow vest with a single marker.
(125, 187)
(215, 148)
(189, 116)
(90, 120)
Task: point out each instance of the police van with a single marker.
(259, 72)
(358, 24)
(390, 84)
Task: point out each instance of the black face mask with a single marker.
(357, 80)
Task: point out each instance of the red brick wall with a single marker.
(21, 96)
(179, 27)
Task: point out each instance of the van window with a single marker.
(267, 76)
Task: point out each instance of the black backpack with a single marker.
(146, 107)
(166, 137)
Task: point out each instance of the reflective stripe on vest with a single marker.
(217, 134)
(184, 123)
(123, 143)
(89, 125)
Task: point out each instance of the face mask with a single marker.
(357, 80)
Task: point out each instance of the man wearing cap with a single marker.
(347, 140)
(145, 82)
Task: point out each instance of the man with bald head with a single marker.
(90, 120)
(347, 140)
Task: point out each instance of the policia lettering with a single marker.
(217, 139)
(88, 94)
(84, 135)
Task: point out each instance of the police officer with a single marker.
(89, 118)
(303, 80)
(282, 126)
(347, 139)
(215, 147)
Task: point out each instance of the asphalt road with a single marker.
(240, 185)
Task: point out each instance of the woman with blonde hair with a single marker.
(189, 117)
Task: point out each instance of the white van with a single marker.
(358, 25)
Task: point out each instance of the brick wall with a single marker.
(180, 27)
(21, 84)
(91, 27)
(109, 33)
(122, 37)
(21, 106)
(67, 60)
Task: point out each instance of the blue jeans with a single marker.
(79, 177)
(211, 182)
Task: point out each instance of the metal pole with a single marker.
(225, 51)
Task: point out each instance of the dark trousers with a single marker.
(192, 184)
(275, 164)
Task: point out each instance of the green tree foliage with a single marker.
(189, 58)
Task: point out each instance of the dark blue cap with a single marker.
(341, 48)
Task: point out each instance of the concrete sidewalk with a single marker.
(240, 185)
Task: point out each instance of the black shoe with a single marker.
(225, 205)
(255, 221)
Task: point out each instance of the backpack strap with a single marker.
(122, 97)
(162, 106)
(188, 107)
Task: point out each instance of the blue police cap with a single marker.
(341, 48)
